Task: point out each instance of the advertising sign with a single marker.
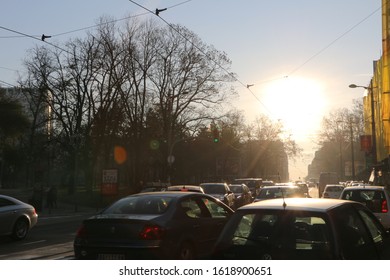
(110, 182)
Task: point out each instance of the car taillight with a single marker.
(384, 208)
(81, 232)
(152, 232)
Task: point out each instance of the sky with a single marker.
(299, 56)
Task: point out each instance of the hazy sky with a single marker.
(300, 55)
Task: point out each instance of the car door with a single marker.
(354, 239)
(189, 224)
(379, 236)
(212, 223)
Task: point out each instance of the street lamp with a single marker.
(370, 91)
(352, 151)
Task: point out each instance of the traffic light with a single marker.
(215, 135)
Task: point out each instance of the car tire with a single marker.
(186, 251)
(20, 229)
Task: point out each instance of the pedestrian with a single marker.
(49, 198)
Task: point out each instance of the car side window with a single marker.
(254, 227)
(216, 210)
(5, 202)
(191, 208)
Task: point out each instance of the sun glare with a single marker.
(298, 103)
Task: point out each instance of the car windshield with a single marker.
(150, 205)
(214, 189)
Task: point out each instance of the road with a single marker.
(51, 238)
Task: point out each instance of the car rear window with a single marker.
(295, 235)
(214, 189)
(373, 199)
(149, 205)
(334, 189)
(279, 192)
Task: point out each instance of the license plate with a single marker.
(111, 257)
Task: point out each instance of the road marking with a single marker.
(35, 242)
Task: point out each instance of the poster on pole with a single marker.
(110, 182)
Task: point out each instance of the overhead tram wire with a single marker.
(326, 47)
(92, 26)
(334, 41)
(23, 35)
(156, 13)
(40, 38)
(7, 84)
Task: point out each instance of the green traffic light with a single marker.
(216, 140)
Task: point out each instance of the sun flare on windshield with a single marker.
(298, 103)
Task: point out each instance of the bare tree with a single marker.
(102, 88)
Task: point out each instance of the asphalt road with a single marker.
(51, 238)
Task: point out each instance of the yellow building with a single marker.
(377, 101)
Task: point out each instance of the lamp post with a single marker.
(352, 151)
(370, 91)
(339, 139)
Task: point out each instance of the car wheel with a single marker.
(186, 251)
(20, 229)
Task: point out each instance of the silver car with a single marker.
(16, 217)
(332, 191)
(376, 198)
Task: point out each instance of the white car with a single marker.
(332, 191)
(376, 198)
(16, 217)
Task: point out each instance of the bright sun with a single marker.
(298, 103)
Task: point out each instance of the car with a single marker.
(155, 225)
(16, 217)
(220, 191)
(243, 194)
(304, 188)
(303, 229)
(376, 198)
(332, 191)
(186, 188)
(278, 191)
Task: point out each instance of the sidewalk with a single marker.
(62, 209)
(65, 209)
